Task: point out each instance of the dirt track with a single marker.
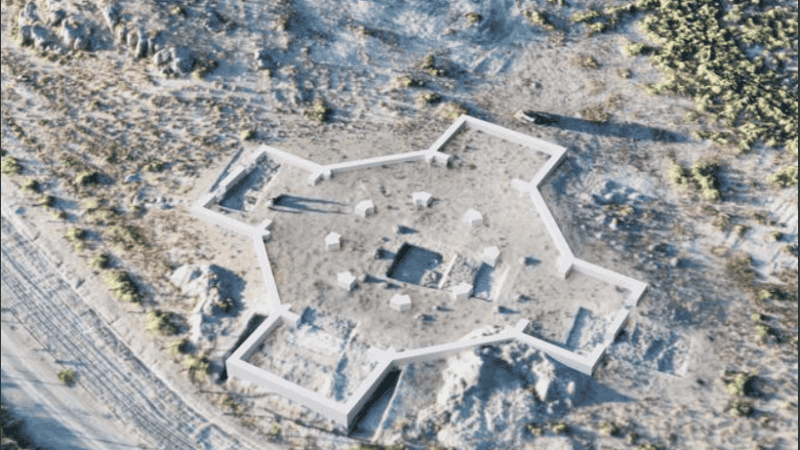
(72, 332)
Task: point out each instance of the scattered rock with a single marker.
(40, 36)
(71, 32)
(111, 14)
(162, 57)
(132, 38)
(214, 21)
(183, 60)
(675, 262)
(56, 17)
(122, 32)
(28, 15)
(264, 60)
(25, 36)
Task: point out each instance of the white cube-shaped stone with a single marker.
(333, 241)
(346, 280)
(473, 218)
(461, 291)
(400, 302)
(522, 187)
(422, 199)
(490, 255)
(365, 208)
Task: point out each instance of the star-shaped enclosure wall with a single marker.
(459, 248)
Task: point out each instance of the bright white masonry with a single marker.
(344, 413)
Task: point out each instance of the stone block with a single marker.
(346, 280)
(422, 199)
(333, 241)
(461, 291)
(400, 303)
(490, 255)
(473, 218)
(365, 208)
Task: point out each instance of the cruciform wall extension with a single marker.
(344, 413)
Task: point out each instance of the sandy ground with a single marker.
(56, 416)
(117, 114)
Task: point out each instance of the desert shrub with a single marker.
(473, 18)
(560, 428)
(586, 62)
(204, 68)
(86, 178)
(740, 384)
(155, 166)
(741, 408)
(429, 66)
(595, 113)
(320, 112)
(47, 201)
(101, 261)
(596, 28)
(637, 48)
(585, 16)
(406, 81)
(129, 237)
(122, 286)
(32, 185)
(66, 376)
(160, 322)
(775, 236)
(452, 111)
(740, 229)
(623, 73)
(179, 346)
(75, 234)
(248, 134)
(59, 214)
(541, 19)
(274, 431)
(740, 269)
(705, 175)
(10, 166)
(610, 429)
(428, 98)
(534, 429)
(197, 365)
(784, 177)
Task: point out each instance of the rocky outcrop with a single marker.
(111, 14)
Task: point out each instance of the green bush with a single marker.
(128, 236)
(452, 111)
(320, 112)
(428, 98)
(248, 134)
(585, 16)
(560, 428)
(595, 113)
(705, 175)
(740, 269)
(75, 234)
(784, 177)
(541, 19)
(160, 322)
(586, 62)
(406, 81)
(122, 286)
(86, 178)
(473, 18)
(179, 346)
(101, 261)
(11, 166)
(198, 366)
(66, 376)
(32, 185)
(637, 48)
(47, 201)
(610, 429)
(155, 166)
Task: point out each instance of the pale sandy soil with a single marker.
(661, 380)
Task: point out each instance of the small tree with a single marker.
(66, 376)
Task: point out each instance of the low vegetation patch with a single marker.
(66, 376)
(785, 177)
(31, 185)
(406, 81)
(248, 134)
(428, 98)
(86, 178)
(179, 346)
(47, 201)
(702, 176)
(452, 111)
(595, 114)
(129, 237)
(198, 366)
(541, 19)
(473, 18)
(586, 62)
(101, 261)
(122, 286)
(320, 112)
(637, 48)
(75, 234)
(429, 66)
(740, 269)
(10, 166)
(160, 323)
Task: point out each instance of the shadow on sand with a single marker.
(623, 130)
